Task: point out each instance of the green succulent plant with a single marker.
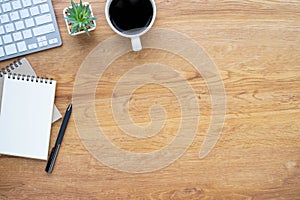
(80, 17)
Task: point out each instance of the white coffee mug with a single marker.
(134, 35)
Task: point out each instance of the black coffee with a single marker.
(131, 15)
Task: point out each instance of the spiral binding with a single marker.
(10, 67)
(24, 77)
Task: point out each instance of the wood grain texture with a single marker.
(254, 43)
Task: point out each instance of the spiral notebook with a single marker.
(26, 115)
(23, 67)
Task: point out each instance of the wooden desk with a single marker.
(255, 45)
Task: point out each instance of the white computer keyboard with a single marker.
(27, 26)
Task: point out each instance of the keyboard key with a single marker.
(34, 11)
(2, 52)
(43, 19)
(32, 46)
(24, 13)
(27, 34)
(10, 49)
(44, 8)
(6, 7)
(14, 16)
(9, 27)
(42, 38)
(53, 41)
(21, 46)
(38, 1)
(19, 25)
(43, 43)
(1, 41)
(43, 30)
(4, 18)
(16, 4)
(17, 36)
(1, 30)
(26, 3)
(7, 38)
(29, 22)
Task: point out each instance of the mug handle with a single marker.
(136, 43)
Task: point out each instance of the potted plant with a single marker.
(79, 18)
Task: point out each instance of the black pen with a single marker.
(55, 149)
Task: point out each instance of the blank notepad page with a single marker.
(26, 113)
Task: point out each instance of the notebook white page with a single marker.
(23, 67)
(26, 115)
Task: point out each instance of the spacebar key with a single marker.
(41, 30)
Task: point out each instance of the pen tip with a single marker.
(70, 106)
